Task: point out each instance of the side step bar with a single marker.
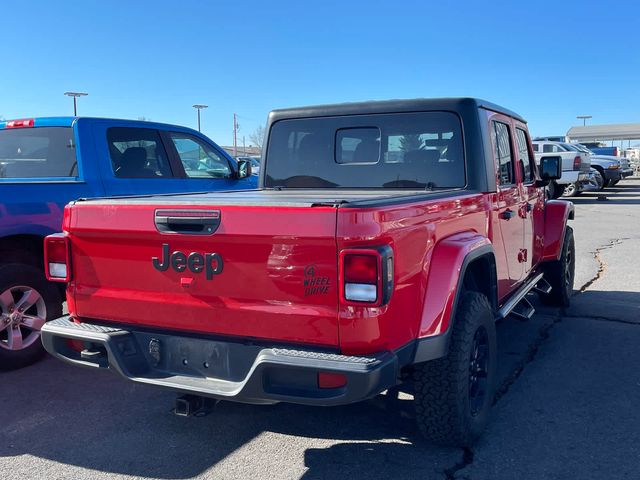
(543, 287)
(525, 311)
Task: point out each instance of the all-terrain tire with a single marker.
(447, 411)
(561, 274)
(17, 279)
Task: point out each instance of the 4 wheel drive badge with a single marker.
(314, 283)
(154, 351)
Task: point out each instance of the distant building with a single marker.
(249, 151)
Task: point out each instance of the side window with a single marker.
(551, 148)
(536, 148)
(137, 153)
(502, 153)
(199, 159)
(524, 158)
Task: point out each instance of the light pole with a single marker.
(75, 95)
(199, 107)
(584, 118)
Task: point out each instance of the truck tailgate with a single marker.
(264, 272)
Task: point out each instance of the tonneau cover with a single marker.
(269, 197)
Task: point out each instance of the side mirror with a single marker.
(244, 169)
(550, 168)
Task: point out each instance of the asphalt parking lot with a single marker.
(566, 406)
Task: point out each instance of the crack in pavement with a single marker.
(467, 459)
(544, 332)
(602, 265)
(543, 335)
(529, 356)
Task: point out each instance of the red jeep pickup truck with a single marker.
(385, 241)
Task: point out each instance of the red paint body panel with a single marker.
(556, 214)
(412, 231)
(448, 258)
(259, 294)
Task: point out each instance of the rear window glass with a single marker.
(37, 153)
(418, 151)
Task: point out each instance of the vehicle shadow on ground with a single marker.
(377, 461)
(619, 195)
(615, 306)
(97, 421)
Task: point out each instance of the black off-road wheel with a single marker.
(453, 395)
(561, 274)
(27, 301)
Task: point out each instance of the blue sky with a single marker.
(549, 61)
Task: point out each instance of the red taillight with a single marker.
(576, 163)
(56, 258)
(361, 269)
(27, 122)
(366, 275)
(616, 152)
(331, 380)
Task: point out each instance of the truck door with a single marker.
(203, 167)
(509, 196)
(532, 210)
(134, 161)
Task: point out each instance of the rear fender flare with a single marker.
(450, 261)
(556, 214)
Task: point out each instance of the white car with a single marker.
(575, 166)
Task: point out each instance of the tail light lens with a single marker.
(361, 269)
(56, 258)
(576, 163)
(366, 275)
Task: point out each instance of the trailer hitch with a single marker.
(193, 405)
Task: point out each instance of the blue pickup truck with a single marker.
(47, 162)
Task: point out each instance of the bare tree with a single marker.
(411, 142)
(257, 137)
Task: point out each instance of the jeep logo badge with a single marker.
(209, 263)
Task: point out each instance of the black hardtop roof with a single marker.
(461, 104)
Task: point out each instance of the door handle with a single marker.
(507, 214)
